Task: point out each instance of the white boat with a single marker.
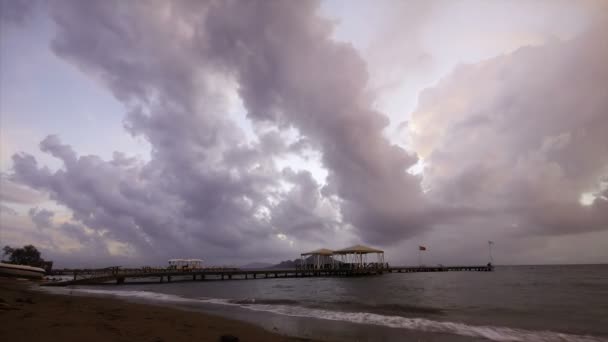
(23, 271)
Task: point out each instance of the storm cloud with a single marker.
(41, 217)
(225, 92)
(204, 180)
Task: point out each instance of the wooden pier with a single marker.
(415, 269)
(150, 275)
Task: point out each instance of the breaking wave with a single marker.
(291, 308)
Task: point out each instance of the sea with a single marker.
(513, 303)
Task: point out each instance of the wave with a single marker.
(253, 301)
(344, 306)
(155, 296)
(287, 308)
(384, 309)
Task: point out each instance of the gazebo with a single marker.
(321, 258)
(356, 257)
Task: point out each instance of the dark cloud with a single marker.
(42, 218)
(305, 213)
(16, 11)
(205, 187)
(286, 76)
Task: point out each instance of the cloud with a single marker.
(42, 218)
(285, 77)
(16, 11)
(177, 81)
(496, 151)
(523, 135)
(12, 192)
(7, 210)
(206, 189)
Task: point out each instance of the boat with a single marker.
(21, 271)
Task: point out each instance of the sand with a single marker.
(28, 315)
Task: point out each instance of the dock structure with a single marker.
(355, 257)
(164, 275)
(347, 262)
(416, 269)
(168, 275)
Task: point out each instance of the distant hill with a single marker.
(287, 264)
(257, 265)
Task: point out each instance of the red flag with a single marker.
(422, 248)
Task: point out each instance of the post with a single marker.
(490, 243)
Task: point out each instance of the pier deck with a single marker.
(412, 269)
(119, 276)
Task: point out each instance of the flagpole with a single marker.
(490, 251)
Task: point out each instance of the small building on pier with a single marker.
(185, 264)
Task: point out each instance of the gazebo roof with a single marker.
(358, 249)
(320, 251)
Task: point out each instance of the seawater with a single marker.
(514, 303)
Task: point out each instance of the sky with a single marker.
(239, 131)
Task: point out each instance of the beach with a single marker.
(29, 315)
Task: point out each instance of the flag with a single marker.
(421, 248)
(490, 242)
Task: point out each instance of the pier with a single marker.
(416, 269)
(348, 262)
(151, 275)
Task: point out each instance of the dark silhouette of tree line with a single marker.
(26, 255)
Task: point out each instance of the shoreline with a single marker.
(31, 315)
(136, 315)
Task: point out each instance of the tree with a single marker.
(28, 255)
(7, 250)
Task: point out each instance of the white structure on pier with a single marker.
(352, 257)
(186, 264)
(321, 258)
(357, 256)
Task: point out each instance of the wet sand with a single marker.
(29, 315)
